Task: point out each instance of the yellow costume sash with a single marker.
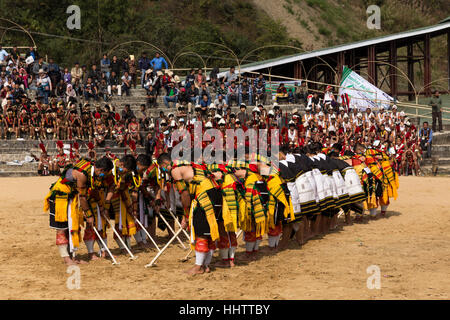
(203, 201)
(62, 194)
(254, 206)
(274, 183)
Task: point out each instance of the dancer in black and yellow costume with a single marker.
(387, 180)
(195, 183)
(124, 172)
(141, 199)
(68, 203)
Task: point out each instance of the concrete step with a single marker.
(25, 167)
(19, 174)
(441, 148)
(443, 170)
(441, 138)
(441, 162)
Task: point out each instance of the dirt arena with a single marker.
(411, 247)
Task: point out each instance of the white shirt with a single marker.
(3, 54)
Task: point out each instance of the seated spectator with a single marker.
(193, 94)
(260, 93)
(126, 83)
(245, 93)
(426, 139)
(61, 89)
(213, 78)
(95, 74)
(132, 70)
(200, 78)
(281, 93)
(230, 76)
(143, 116)
(172, 95)
(190, 78)
(114, 85)
(105, 65)
(44, 85)
(71, 95)
(232, 94)
(183, 97)
(3, 55)
(152, 95)
(223, 90)
(204, 90)
(103, 90)
(204, 104)
(127, 114)
(115, 66)
(220, 104)
(90, 90)
(261, 79)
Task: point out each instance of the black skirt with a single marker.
(55, 224)
(201, 225)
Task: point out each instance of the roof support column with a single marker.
(371, 68)
(448, 58)
(427, 66)
(298, 69)
(340, 64)
(410, 54)
(392, 70)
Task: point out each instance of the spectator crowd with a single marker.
(41, 100)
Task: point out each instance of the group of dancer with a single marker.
(297, 198)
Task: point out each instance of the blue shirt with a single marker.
(157, 63)
(144, 63)
(430, 137)
(3, 54)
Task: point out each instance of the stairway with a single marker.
(440, 153)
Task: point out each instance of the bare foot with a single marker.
(248, 256)
(222, 264)
(103, 255)
(93, 256)
(207, 269)
(69, 261)
(194, 270)
(232, 264)
(80, 261)
(141, 246)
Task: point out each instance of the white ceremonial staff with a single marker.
(187, 256)
(170, 228)
(106, 247)
(132, 257)
(148, 234)
(152, 263)
(178, 222)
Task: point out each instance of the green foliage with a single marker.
(170, 25)
(321, 4)
(324, 31)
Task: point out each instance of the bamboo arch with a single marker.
(22, 28)
(144, 42)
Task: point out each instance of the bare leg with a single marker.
(287, 230)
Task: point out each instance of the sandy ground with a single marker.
(411, 248)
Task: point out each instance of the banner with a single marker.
(362, 93)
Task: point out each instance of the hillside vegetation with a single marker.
(241, 25)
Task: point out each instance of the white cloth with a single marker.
(352, 182)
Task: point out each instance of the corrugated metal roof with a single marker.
(316, 53)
